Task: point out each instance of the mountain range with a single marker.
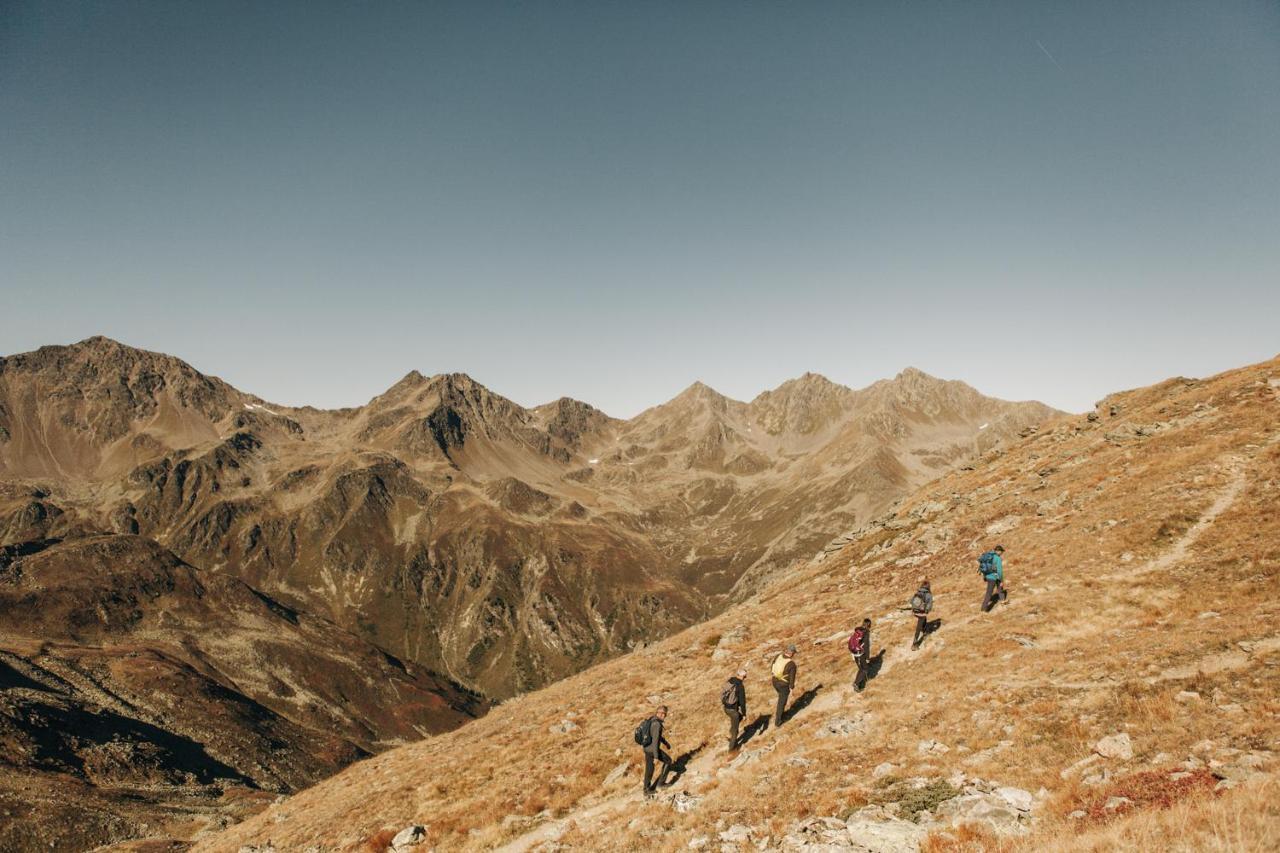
(211, 599)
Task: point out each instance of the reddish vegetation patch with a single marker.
(1150, 789)
(379, 841)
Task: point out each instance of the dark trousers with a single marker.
(864, 665)
(735, 719)
(651, 784)
(921, 620)
(989, 600)
(784, 690)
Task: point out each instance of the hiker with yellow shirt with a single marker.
(784, 680)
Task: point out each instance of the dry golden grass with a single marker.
(1242, 820)
(1099, 637)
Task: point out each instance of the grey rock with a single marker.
(1114, 803)
(410, 836)
(871, 830)
(841, 727)
(1115, 746)
(1016, 797)
(684, 802)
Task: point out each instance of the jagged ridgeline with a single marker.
(251, 579)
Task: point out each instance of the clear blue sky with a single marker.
(610, 200)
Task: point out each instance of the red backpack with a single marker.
(857, 640)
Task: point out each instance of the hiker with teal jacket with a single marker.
(991, 565)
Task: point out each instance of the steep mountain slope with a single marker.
(137, 690)
(1123, 697)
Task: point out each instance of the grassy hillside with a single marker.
(1143, 564)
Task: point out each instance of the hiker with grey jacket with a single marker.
(921, 604)
(733, 698)
(991, 566)
(649, 735)
(784, 680)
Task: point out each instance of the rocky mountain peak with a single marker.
(802, 406)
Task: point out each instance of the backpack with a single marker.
(857, 640)
(780, 668)
(917, 603)
(729, 695)
(987, 565)
(643, 735)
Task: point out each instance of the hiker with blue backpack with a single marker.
(991, 566)
(649, 736)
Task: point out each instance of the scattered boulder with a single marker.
(684, 802)
(817, 833)
(1016, 797)
(841, 727)
(410, 836)
(983, 808)
(563, 727)
(736, 834)
(1115, 746)
(932, 746)
(874, 830)
(883, 770)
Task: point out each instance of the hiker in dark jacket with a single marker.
(921, 604)
(653, 752)
(734, 699)
(991, 564)
(784, 680)
(862, 656)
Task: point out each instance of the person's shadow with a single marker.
(802, 701)
(874, 664)
(681, 764)
(930, 627)
(758, 725)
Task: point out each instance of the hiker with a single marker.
(733, 697)
(991, 565)
(650, 736)
(921, 604)
(784, 680)
(860, 650)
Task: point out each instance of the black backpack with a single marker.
(643, 735)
